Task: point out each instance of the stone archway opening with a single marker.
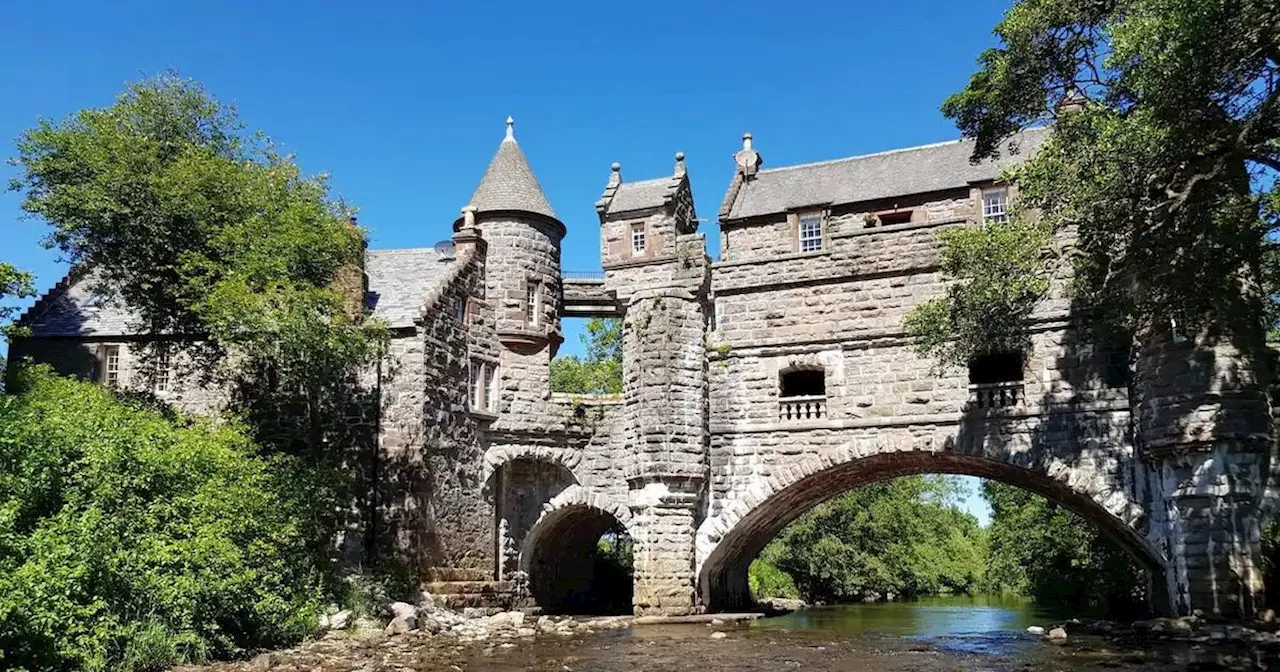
(577, 560)
(723, 571)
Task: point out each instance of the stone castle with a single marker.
(756, 386)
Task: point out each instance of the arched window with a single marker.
(803, 383)
(802, 394)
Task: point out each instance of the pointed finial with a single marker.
(511, 129)
(615, 174)
(680, 164)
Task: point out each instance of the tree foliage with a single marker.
(14, 284)
(600, 370)
(903, 537)
(1037, 548)
(1001, 281)
(207, 233)
(1162, 158)
(131, 539)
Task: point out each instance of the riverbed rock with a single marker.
(1057, 635)
(1035, 630)
(402, 609)
(718, 635)
(401, 625)
(340, 620)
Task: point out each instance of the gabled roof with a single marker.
(643, 195)
(901, 172)
(398, 282)
(509, 182)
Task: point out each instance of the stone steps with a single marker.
(484, 596)
(450, 574)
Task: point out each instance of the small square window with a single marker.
(995, 205)
(532, 302)
(638, 241)
(810, 232)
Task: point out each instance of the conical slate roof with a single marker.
(509, 183)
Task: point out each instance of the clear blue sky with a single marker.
(403, 102)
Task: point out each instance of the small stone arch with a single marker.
(727, 541)
(557, 557)
(497, 456)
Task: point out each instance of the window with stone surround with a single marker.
(492, 395)
(894, 217)
(809, 232)
(802, 394)
(638, 238)
(995, 205)
(109, 365)
(164, 370)
(532, 302)
(995, 380)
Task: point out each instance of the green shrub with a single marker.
(131, 539)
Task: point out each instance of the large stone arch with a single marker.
(556, 555)
(496, 456)
(728, 540)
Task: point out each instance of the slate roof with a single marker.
(643, 195)
(399, 281)
(899, 172)
(509, 183)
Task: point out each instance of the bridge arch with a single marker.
(558, 555)
(728, 541)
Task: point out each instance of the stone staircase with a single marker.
(459, 589)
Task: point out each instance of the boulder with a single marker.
(402, 610)
(1057, 635)
(718, 635)
(1035, 630)
(426, 601)
(340, 620)
(401, 625)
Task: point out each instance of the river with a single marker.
(933, 635)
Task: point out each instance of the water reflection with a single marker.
(976, 624)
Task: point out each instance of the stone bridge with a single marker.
(779, 376)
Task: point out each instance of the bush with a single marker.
(131, 539)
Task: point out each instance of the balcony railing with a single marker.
(995, 395)
(792, 409)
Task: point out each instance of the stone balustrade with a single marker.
(996, 395)
(802, 408)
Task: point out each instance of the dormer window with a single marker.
(809, 232)
(995, 205)
(638, 238)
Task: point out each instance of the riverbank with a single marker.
(817, 639)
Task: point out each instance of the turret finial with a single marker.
(615, 174)
(511, 129)
(680, 170)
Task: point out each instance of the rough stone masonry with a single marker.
(755, 387)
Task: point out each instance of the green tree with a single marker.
(905, 536)
(209, 234)
(131, 539)
(1037, 548)
(1160, 165)
(13, 284)
(600, 371)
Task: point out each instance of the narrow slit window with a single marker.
(477, 385)
(532, 302)
(638, 238)
(995, 205)
(810, 232)
(491, 388)
(804, 383)
(993, 368)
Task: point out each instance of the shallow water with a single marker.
(934, 635)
